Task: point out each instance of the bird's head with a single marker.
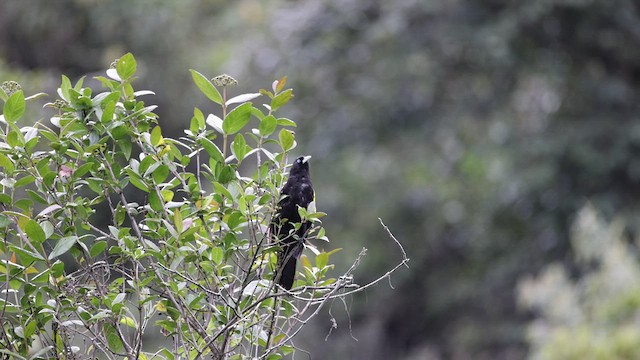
(300, 166)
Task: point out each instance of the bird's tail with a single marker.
(288, 272)
(287, 264)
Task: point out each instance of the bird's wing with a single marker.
(307, 194)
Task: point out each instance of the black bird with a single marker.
(298, 191)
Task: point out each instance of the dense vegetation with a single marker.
(194, 260)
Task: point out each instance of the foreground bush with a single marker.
(190, 258)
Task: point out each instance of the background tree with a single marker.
(593, 315)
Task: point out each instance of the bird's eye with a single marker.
(299, 161)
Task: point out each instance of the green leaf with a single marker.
(31, 143)
(120, 215)
(78, 100)
(321, 260)
(83, 169)
(237, 119)
(154, 201)
(222, 190)
(267, 125)
(281, 99)
(126, 66)
(267, 93)
(51, 136)
(13, 139)
(286, 139)
(95, 185)
(234, 219)
(199, 116)
(48, 228)
(125, 320)
(4, 221)
(7, 164)
(62, 246)
(49, 178)
(34, 231)
(12, 354)
(226, 174)
(194, 126)
(206, 87)
(113, 340)
(217, 254)
(136, 180)
(156, 136)
(57, 269)
(108, 83)
(211, 149)
(107, 113)
(257, 113)
(286, 122)
(6, 199)
(79, 84)
(65, 86)
(15, 107)
(126, 147)
(118, 299)
(119, 132)
(161, 173)
(24, 204)
(43, 277)
(97, 248)
(239, 147)
(26, 256)
(177, 219)
(26, 180)
(147, 163)
(167, 195)
(106, 98)
(37, 197)
(286, 349)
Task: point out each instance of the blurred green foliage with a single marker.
(592, 315)
(476, 129)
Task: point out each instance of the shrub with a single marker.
(190, 257)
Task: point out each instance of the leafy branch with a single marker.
(112, 231)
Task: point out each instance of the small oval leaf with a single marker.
(206, 87)
(286, 139)
(281, 99)
(237, 119)
(15, 107)
(34, 231)
(62, 246)
(97, 248)
(126, 66)
(268, 125)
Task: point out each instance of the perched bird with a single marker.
(298, 191)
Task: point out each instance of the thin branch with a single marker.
(405, 259)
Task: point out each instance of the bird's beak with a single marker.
(306, 158)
